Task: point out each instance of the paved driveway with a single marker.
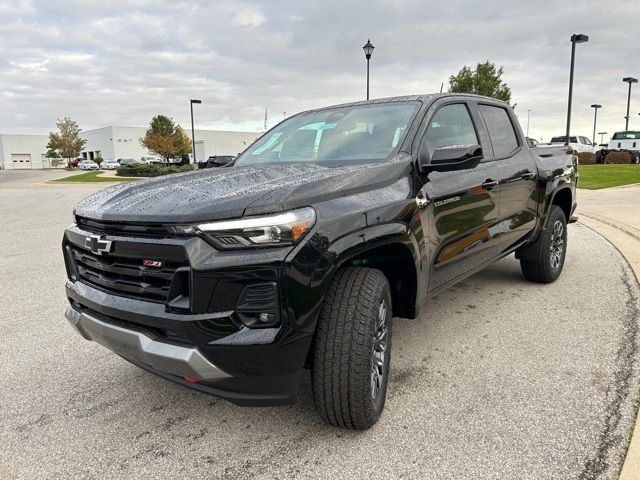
(498, 378)
(25, 177)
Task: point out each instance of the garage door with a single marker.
(21, 160)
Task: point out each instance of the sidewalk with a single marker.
(615, 214)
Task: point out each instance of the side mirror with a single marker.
(454, 157)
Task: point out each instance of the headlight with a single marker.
(269, 230)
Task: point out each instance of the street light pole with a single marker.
(575, 38)
(628, 80)
(595, 106)
(193, 132)
(528, 115)
(368, 50)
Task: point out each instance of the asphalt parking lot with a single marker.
(498, 378)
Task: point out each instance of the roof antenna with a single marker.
(441, 85)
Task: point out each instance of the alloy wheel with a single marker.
(379, 351)
(557, 244)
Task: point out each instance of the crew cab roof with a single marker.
(424, 98)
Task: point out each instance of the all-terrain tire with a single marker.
(552, 245)
(352, 349)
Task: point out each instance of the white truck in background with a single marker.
(626, 141)
(579, 143)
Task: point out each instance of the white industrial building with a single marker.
(29, 151)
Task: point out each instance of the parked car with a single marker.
(579, 143)
(88, 165)
(109, 164)
(150, 160)
(75, 162)
(626, 141)
(233, 280)
(217, 161)
(129, 161)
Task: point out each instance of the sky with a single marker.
(121, 62)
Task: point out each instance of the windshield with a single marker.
(626, 136)
(348, 134)
(563, 138)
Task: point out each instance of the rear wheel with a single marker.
(352, 349)
(552, 247)
(635, 157)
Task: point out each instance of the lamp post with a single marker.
(575, 38)
(528, 115)
(595, 107)
(602, 134)
(628, 80)
(193, 132)
(368, 50)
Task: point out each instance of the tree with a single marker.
(484, 80)
(66, 142)
(165, 138)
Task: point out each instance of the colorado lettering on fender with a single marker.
(439, 203)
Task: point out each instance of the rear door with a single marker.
(458, 207)
(517, 178)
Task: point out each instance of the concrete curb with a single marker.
(628, 244)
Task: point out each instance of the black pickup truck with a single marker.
(233, 281)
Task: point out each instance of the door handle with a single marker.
(488, 184)
(528, 176)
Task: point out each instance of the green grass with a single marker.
(92, 177)
(595, 177)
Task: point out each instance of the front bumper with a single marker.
(184, 364)
(136, 346)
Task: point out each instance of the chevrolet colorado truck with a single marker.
(235, 280)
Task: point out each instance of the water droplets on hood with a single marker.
(231, 192)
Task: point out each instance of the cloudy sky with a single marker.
(115, 62)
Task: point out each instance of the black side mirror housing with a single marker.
(455, 157)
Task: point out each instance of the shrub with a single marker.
(151, 170)
(618, 157)
(586, 158)
(98, 160)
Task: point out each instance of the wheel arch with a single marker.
(391, 249)
(563, 198)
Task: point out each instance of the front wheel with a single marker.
(352, 349)
(552, 245)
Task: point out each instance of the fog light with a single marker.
(263, 317)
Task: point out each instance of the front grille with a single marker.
(155, 230)
(125, 276)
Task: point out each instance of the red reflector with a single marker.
(192, 379)
(152, 263)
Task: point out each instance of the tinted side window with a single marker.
(451, 125)
(500, 128)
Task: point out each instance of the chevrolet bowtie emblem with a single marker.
(98, 245)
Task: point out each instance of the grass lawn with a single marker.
(92, 177)
(594, 177)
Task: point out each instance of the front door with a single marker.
(460, 207)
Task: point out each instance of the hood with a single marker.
(219, 193)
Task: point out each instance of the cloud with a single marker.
(121, 62)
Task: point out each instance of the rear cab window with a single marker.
(500, 128)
